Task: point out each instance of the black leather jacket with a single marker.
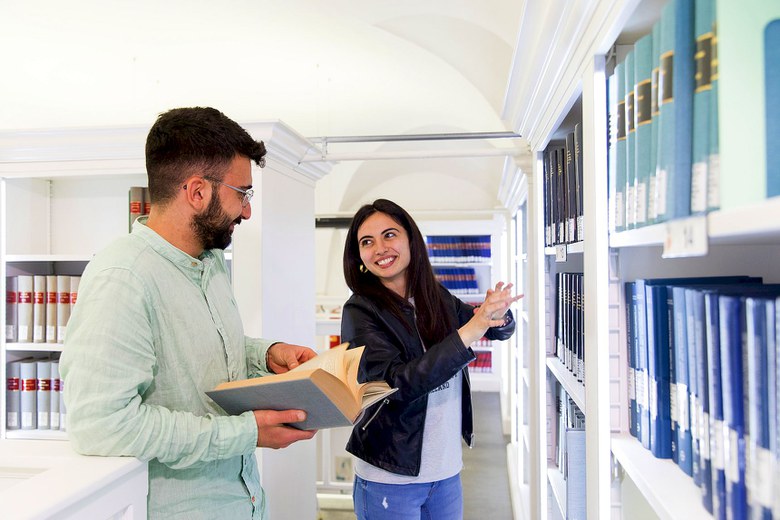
(390, 433)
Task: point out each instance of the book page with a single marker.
(336, 361)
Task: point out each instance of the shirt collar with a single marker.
(188, 264)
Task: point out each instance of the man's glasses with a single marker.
(246, 193)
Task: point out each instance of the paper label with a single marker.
(731, 450)
(717, 438)
(686, 237)
(653, 396)
(673, 404)
(632, 384)
(683, 417)
(641, 203)
(699, 187)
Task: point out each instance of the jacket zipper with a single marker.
(384, 402)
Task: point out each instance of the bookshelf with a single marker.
(64, 196)
(581, 46)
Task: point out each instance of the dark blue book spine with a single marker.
(642, 381)
(717, 455)
(694, 404)
(658, 371)
(682, 363)
(631, 344)
(759, 324)
(731, 319)
(702, 385)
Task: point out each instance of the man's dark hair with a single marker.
(184, 141)
(433, 320)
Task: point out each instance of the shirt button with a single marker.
(194, 264)
(253, 499)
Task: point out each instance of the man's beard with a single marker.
(213, 227)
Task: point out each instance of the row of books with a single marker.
(563, 178)
(458, 280)
(458, 249)
(667, 119)
(483, 363)
(34, 395)
(703, 387)
(139, 204)
(38, 307)
(570, 323)
(568, 441)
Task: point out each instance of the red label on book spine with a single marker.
(56, 385)
(25, 297)
(51, 297)
(39, 297)
(135, 207)
(64, 297)
(73, 297)
(10, 297)
(13, 384)
(44, 385)
(29, 385)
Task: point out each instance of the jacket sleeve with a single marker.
(386, 357)
(466, 311)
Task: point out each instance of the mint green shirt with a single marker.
(152, 330)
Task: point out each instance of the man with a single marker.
(156, 325)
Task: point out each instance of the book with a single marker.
(703, 20)
(43, 394)
(63, 305)
(28, 386)
(39, 309)
(652, 184)
(772, 109)
(681, 420)
(579, 183)
(620, 150)
(747, 59)
(136, 204)
(56, 382)
(51, 308)
(13, 398)
(24, 305)
(643, 125)
(11, 309)
(631, 343)
(326, 387)
(630, 141)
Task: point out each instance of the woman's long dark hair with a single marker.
(433, 320)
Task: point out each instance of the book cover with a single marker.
(51, 308)
(682, 425)
(631, 343)
(744, 35)
(642, 379)
(28, 386)
(13, 398)
(11, 309)
(643, 128)
(703, 20)
(715, 390)
(772, 108)
(678, 187)
(658, 371)
(39, 309)
(136, 205)
(652, 184)
(43, 394)
(570, 176)
(713, 167)
(74, 291)
(24, 307)
(326, 387)
(693, 389)
(665, 119)
(695, 304)
(578, 183)
(576, 505)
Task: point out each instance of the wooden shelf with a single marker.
(669, 491)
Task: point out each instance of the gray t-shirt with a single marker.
(442, 455)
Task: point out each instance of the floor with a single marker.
(485, 478)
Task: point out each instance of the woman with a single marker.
(416, 336)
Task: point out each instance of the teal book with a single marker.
(643, 72)
(713, 167)
(772, 82)
(630, 142)
(621, 188)
(652, 185)
(665, 119)
(744, 35)
(679, 182)
(612, 149)
(703, 22)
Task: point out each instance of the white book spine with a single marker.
(11, 301)
(63, 411)
(28, 386)
(56, 383)
(74, 291)
(39, 309)
(25, 308)
(13, 396)
(51, 309)
(43, 394)
(63, 306)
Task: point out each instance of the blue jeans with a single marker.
(441, 500)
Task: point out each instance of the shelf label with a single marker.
(686, 237)
(560, 253)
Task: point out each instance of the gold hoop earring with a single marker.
(362, 268)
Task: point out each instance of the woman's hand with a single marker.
(490, 314)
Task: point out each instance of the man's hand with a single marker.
(283, 357)
(272, 431)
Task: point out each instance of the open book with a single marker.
(326, 387)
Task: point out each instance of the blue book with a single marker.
(703, 20)
(630, 142)
(643, 127)
(676, 108)
(631, 343)
(715, 390)
(642, 381)
(682, 438)
(760, 359)
(693, 389)
(713, 143)
(652, 185)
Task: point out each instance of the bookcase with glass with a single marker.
(680, 310)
